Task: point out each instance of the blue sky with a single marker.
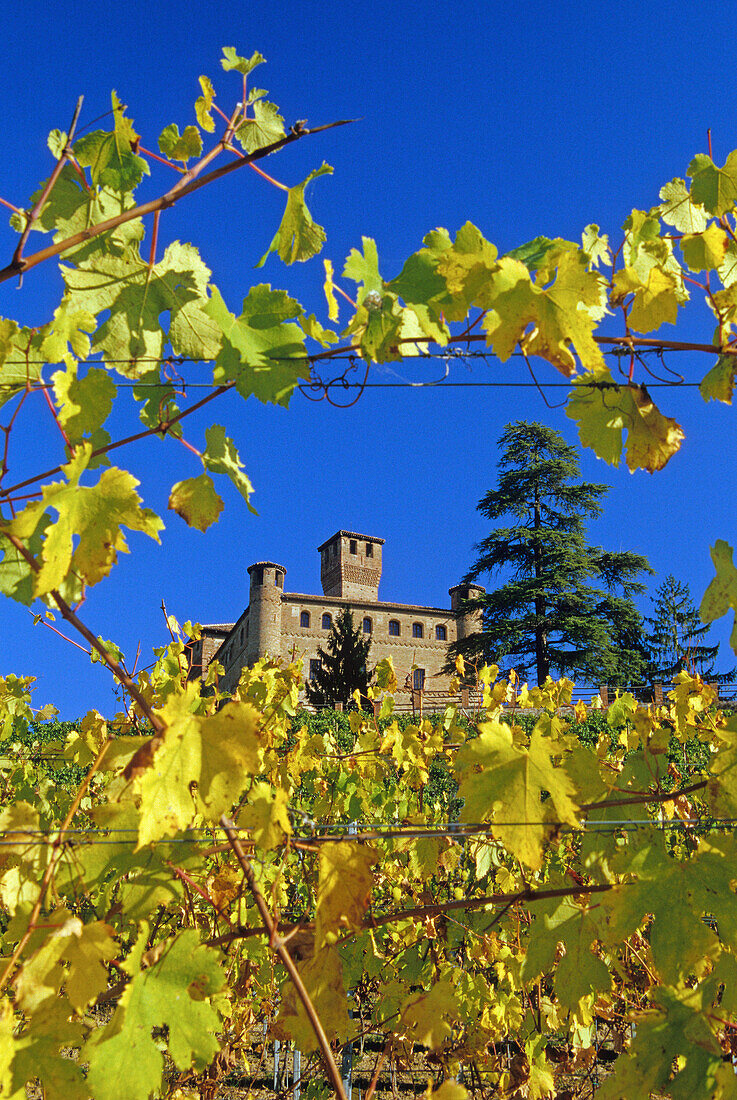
(525, 118)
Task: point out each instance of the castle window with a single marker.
(327, 621)
(394, 628)
(418, 679)
(441, 633)
(369, 550)
(354, 546)
(367, 626)
(258, 576)
(304, 618)
(279, 580)
(417, 630)
(246, 627)
(314, 668)
(240, 636)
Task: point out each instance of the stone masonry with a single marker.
(294, 625)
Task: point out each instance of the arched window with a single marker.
(394, 628)
(417, 630)
(304, 618)
(367, 625)
(441, 633)
(327, 621)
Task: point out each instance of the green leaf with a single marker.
(722, 591)
(265, 127)
(231, 61)
(68, 330)
(263, 354)
(504, 784)
(363, 268)
(219, 753)
(679, 210)
(172, 994)
(203, 105)
(16, 576)
(84, 403)
(196, 501)
(705, 251)
(579, 973)
(17, 355)
(111, 164)
(137, 295)
(714, 188)
(87, 537)
(298, 236)
(182, 146)
(313, 329)
(221, 457)
(605, 412)
(718, 384)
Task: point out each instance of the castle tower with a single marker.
(350, 566)
(471, 622)
(264, 614)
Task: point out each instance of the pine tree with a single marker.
(343, 664)
(675, 636)
(566, 607)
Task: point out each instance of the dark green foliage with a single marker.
(675, 637)
(565, 607)
(344, 664)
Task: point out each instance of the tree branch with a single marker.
(18, 265)
(277, 942)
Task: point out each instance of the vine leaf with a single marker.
(426, 1016)
(262, 351)
(92, 517)
(266, 815)
(38, 1055)
(323, 979)
(579, 973)
(182, 146)
(203, 105)
(604, 410)
(219, 753)
(679, 210)
(17, 361)
(713, 188)
(718, 383)
(84, 403)
(196, 501)
(231, 61)
(170, 994)
(705, 251)
(68, 330)
(86, 948)
(504, 784)
(221, 457)
(298, 236)
(266, 127)
(344, 888)
(722, 591)
(137, 295)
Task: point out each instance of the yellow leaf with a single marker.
(344, 888)
(330, 291)
(323, 978)
(426, 1016)
(722, 592)
(217, 754)
(266, 815)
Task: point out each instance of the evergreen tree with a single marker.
(566, 607)
(343, 664)
(675, 636)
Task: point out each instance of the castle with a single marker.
(291, 625)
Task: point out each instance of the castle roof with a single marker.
(351, 535)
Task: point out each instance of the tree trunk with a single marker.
(542, 661)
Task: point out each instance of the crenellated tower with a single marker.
(350, 566)
(264, 613)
